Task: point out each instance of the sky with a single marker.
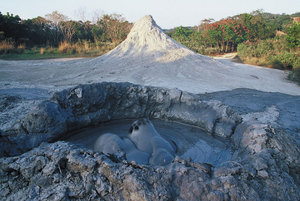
(167, 13)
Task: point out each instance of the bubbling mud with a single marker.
(187, 142)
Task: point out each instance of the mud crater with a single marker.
(92, 105)
(231, 159)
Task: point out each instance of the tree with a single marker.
(56, 17)
(256, 23)
(37, 31)
(67, 29)
(204, 23)
(293, 37)
(97, 33)
(115, 27)
(11, 27)
(181, 32)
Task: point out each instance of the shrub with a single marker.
(42, 51)
(2, 36)
(212, 51)
(275, 63)
(21, 48)
(271, 52)
(280, 44)
(287, 59)
(83, 46)
(293, 37)
(242, 50)
(86, 45)
(51, 49)
(247, 49)
(66, 47)
(264, 48)
(7, 46)
(295, 75)
(296, 63)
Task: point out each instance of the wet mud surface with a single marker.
(191, 142)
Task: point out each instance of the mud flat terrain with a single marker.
(256, 111)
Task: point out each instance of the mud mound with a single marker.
(148, 45)
(149, 57)
(146, 38)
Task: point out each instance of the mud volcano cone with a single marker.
(150, 57)
(146, 38)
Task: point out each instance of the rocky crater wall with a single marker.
(89, 105)
(264, 165)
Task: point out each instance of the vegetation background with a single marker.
(271, 40)
(55, 35)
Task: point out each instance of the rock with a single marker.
(264, 166)
(264, 174)
(88, 105)
(82, 174)
(31, 166)
(101, 186)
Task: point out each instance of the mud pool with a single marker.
(191, 141)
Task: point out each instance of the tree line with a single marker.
(213, 37)
(208, 37)
(55, 28)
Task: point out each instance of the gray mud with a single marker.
(264, 163)
(191, 142)
(249, 101)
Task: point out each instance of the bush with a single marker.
(296, 64)
(242, 50)
(295, 75)
(83, 46)
(270, 52)
(42, 51)
(7, 46)
(280, 44)
(21, 48)
(264, 48)
(275, 63)
(293, 37)
(288, 60)
(51, 50)
(212, 51)
(66, 47)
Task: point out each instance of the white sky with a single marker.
(167, 13)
